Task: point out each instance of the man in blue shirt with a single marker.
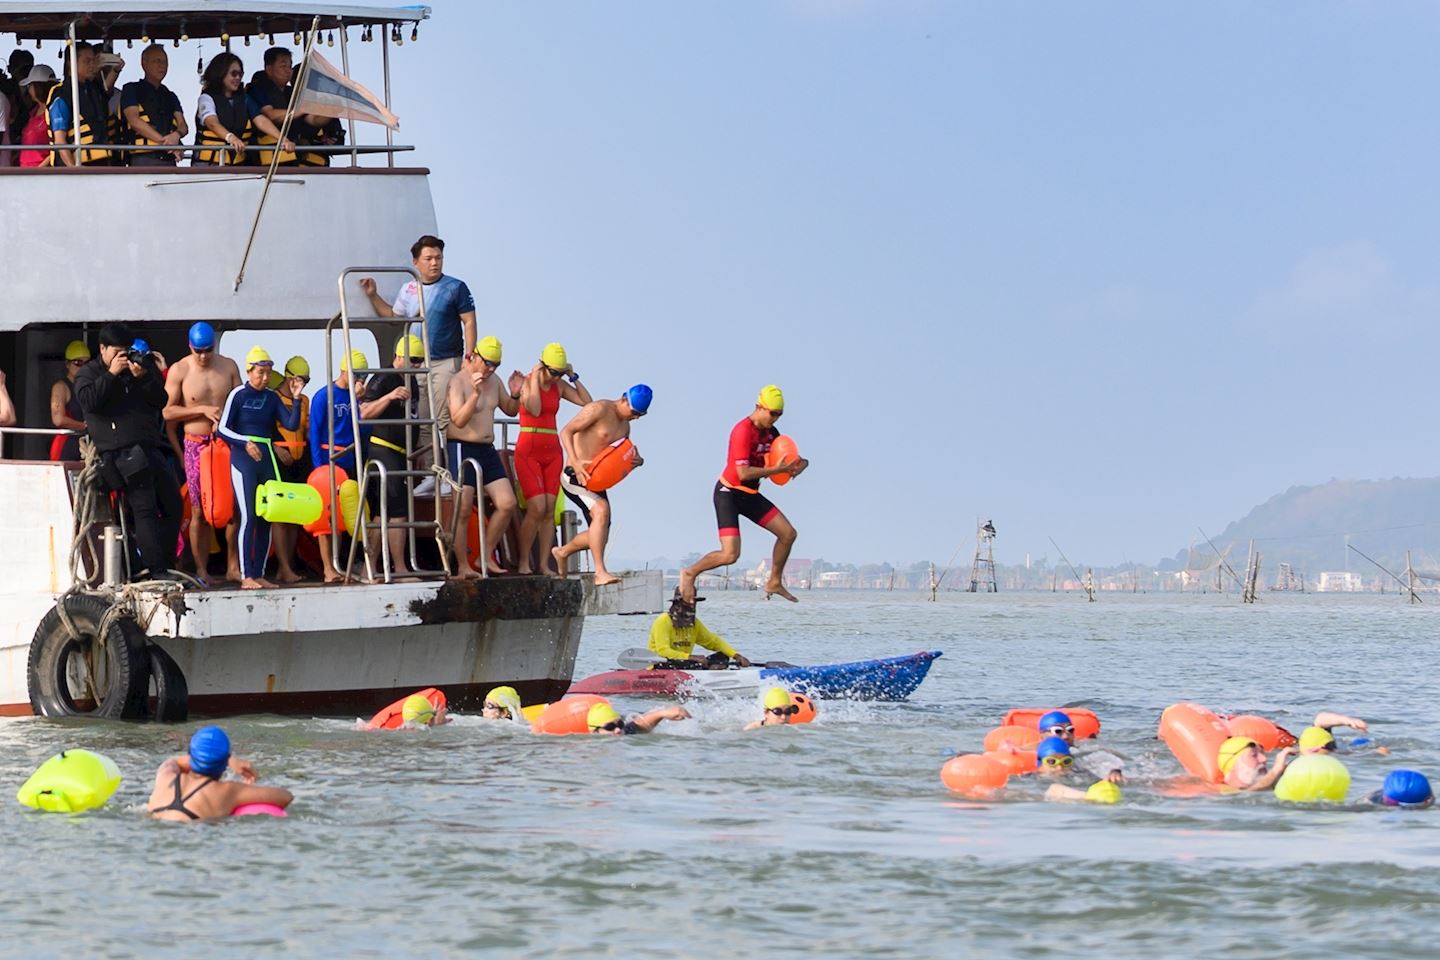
(449, 317)
(338, 396)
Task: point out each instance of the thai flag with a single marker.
(329, 93)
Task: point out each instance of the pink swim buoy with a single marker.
(258, 810)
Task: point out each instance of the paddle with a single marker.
(639, 658)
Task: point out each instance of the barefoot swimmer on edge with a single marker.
(737, 495)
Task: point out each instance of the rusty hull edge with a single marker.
(507, 598)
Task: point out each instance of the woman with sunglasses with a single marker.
(225, 119)
(779, 710)
(538, 454)
(65, 412)
(603, 718)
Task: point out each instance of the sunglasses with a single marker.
(1058, 731)
(487, 705)
(492, 364)
(775, 414)
(610, 727)
(554, 373)
(236, 73)
(77, 363)
(789, 711)
(1057, 761)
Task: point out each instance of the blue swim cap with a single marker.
(1055, 718)
(1051, 747)
(209, 751)
(639, 397)
(202, 336)
(1405, 788)
(140, 346)
(1354, 742)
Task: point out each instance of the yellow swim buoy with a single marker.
(1312, 778)
(70, 782)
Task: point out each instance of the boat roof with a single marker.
(162, 20)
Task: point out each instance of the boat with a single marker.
(159, 248)
(888, 678)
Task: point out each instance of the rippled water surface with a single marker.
(834, 839)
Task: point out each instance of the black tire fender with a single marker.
(167, 698)
(121, 652)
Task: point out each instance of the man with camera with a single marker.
(122, 394)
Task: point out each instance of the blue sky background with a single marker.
(1101, 271)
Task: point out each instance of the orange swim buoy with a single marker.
(807, 708)
(1267, 733)
(611, 465)
(1194, 735)
(391, 718)
(1015, 761)
(1021, 738)
(320, 479)
(974, 775)
(566, 716)
(217, 494)
(1087, 725)
(782, 451)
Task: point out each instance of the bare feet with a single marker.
(334, 577)
(250, 583)
(232, 575)
(687, 586)
(467, 572)
(496, 571)
(559, 559)
(778, 590)
(605, 579)
(288, 576)
(524, 570)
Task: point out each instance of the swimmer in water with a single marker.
(502, 703)
(1053, 757)
(603, 718)
(1101, 791)
(779, 709)
(418, 711)
(1320, 736)
(188, 787)
(1057, 724)
(1246, 768)
(1409, 789)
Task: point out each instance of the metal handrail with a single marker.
(369, 148)
(35, 432)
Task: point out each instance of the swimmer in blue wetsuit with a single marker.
(248, 425)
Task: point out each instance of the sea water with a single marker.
(833, 839)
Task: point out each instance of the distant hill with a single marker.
(1307, 527)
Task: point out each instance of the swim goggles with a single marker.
(1059, 731)
(1057, 760)
(490, 364)
(789, 711)
(610, 727)
(487, 705)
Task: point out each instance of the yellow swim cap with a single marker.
(417, 709)
(777, 697)
(1103, 791)
(771, 398)
(297, 367)
(599, 715)
(507, 697)
(1231, 749)
(410, 346)
(257, 355)
(273, 383)
(76, 350)
(491, 349)
(553, 356)
(356, 361)
(1313, 739)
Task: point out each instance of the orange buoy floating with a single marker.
(1087, 725)
(1194, 735)
(974, 775)
(1021, 738)
(392, 717)
(782, 451)
(1267, 733)
(217, 495)
(566, 716)
(611, 465)
(1016, 762)
(807, 708)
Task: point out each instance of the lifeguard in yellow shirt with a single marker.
(675, 633)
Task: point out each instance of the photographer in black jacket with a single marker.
(122, 393)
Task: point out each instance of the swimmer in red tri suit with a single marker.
(538, 455)
(737, 495)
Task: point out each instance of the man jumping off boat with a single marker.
(737, 495)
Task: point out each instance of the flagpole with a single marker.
(295, 90)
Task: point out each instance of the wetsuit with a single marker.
(250, 416)
(328, 398)
(538, 455)
(179, 802)
(733, 500)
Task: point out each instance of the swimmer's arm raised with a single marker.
(649, 721)
(1327, 720)
(530, 393)
(509, 400)
(1273, 774)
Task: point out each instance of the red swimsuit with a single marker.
(538, 455)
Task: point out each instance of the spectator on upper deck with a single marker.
(35, 129)
(65, 412)
(269, 94)
(7, 409)
(449, 317)
(152, 112)
(109, 66)
(223, 117)
(308, 129)
(92, 111)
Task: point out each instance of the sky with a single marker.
(1104, 272)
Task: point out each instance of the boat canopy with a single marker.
(161, 20)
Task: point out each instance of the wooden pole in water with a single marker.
(1410, 576)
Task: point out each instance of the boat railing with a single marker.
(34, 432)
(189, 150)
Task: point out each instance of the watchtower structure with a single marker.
(982, 571)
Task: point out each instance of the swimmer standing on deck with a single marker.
(188, 787)
(737, 495)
